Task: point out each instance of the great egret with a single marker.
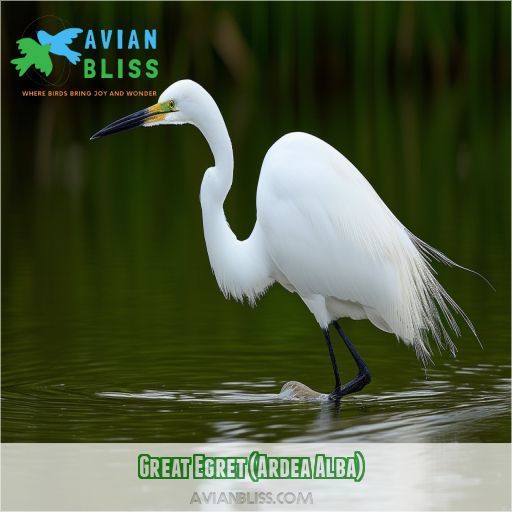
(321, 232)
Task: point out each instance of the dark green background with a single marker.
(113, 326)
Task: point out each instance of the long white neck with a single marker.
(241, 268)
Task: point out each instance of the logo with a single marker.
(50, 50)
(37, 53)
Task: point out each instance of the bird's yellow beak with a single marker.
(143, 117)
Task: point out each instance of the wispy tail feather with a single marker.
(430, 252)
(436, 305)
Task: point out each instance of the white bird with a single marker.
(321, 232)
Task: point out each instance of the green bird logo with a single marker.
(34, 54)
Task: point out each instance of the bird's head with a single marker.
(182, 102)
(43, 37)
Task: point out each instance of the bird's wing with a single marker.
(326, 207)
(330, 234)
(66, 36)
(28, 45)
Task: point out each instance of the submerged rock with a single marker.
(294, 390)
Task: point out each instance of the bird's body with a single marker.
(321, 232)
(318, 215)
(35, 54)
(59, 43)
(324, 233)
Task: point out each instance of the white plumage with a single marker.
(334, 242)
(321, 232)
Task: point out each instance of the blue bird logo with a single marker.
(59, 43)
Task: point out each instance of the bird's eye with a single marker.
(172, 106)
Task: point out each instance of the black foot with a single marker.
(357, 384)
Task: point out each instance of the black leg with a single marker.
(363, 377)
(333, 359)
